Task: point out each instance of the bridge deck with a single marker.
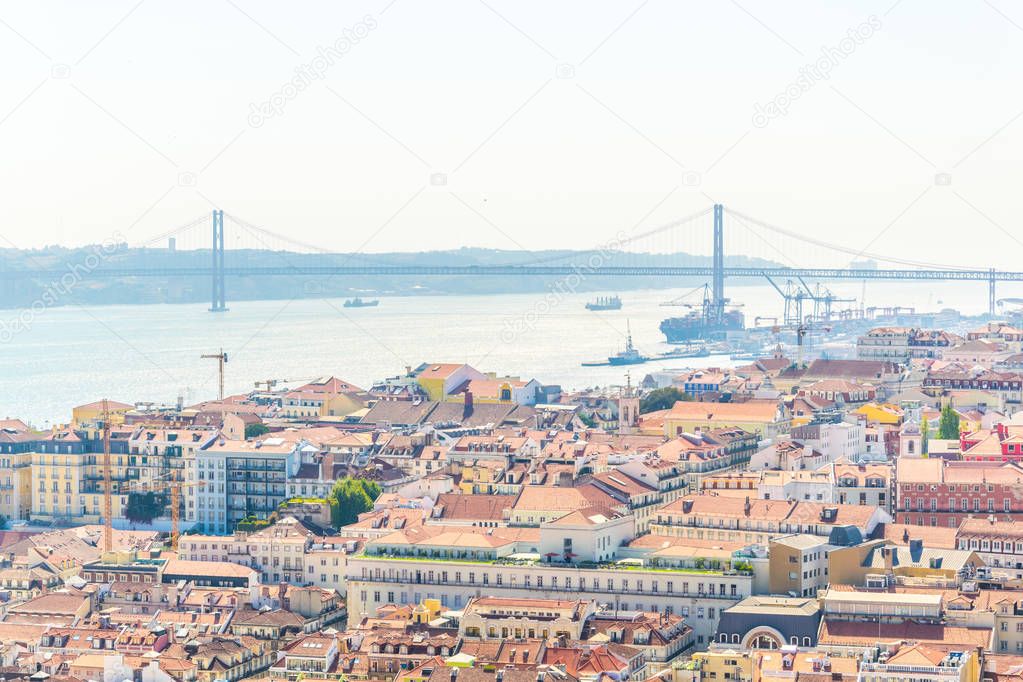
(530, 270)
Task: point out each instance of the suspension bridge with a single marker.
(638, 255)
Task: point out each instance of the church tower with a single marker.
(628, 408)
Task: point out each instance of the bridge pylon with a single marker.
(218, 295)
(718, 299)
(991, 294)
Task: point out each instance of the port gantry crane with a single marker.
(794, 294)
(175, 487)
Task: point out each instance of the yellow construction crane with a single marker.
(175, 488)
(108, 495)
(108, 500)
(271, 384)
(221, 359)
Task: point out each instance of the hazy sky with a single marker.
(516, 124)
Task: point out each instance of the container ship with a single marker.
(709, 320)
(605, 303)
(697, 325)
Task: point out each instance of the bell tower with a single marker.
(628, 408)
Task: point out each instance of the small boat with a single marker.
(605, 303)
(360, 303)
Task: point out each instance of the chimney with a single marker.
(746, 507)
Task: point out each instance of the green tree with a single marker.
(925, 435)
(351, 497)
(948, 427)
(256, 430)
(661, 399)
(144, 507)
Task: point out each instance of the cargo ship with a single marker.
(699, 325)
(605, 303)
(709, 320)
(360, 303)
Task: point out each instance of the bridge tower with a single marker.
(218, 297)
(718, 299)
(991, 293)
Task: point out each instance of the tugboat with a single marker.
(629, 356)
(359, 303)
(605, 303)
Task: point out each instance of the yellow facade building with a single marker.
(68, 487)
(481, 477)
(881, 413)
(91, 413)
(728, 664)
(16, 485)
(440, 380)
(766, 418)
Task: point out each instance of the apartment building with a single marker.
(936, 492)
(456, 566)
(899, 344)
(799, 564)
(157, 456)
(502, 617)
(714, 517)
(998, 543)
(284, 552)
(16, 485)
(863, 484)
(243, 479)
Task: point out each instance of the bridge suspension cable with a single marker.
(258, 231)
(856, 253)
(174, 231)
(668, 226)
(618, 245)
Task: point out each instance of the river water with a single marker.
(63, 356)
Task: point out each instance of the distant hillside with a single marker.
(94, 291)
